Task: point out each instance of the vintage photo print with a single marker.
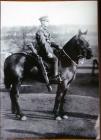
(49, 70)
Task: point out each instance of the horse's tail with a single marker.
(7, 81)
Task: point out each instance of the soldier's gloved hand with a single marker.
(50, 55)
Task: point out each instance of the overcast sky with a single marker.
(67, 12)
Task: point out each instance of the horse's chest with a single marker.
(68, 73)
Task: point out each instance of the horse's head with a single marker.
(83, 47)
(78, 47)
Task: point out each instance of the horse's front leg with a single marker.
(57, 101)
(14, 95)
(58, 110)
(61, 109)
(69, 77)
(64, 88)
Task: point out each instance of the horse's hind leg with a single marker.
(14, 95)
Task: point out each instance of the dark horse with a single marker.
(18, 65)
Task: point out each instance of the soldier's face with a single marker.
(45, 23)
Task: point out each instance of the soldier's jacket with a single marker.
(44, 41)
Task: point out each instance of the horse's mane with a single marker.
(71, 48)
(68, 44)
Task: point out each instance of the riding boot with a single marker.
(44, 73)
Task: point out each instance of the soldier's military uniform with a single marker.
(45, 47)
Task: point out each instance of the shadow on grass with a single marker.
(52, 135)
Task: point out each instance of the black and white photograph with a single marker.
(49, 83)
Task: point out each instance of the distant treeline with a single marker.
(8, 32)
(14, 38)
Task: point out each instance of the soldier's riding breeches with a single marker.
(54, 62)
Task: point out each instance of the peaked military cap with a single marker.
(44, 18)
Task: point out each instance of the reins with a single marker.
(69, 57)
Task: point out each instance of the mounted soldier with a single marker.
(18, 65)
(45, 48)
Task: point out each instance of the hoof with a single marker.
(65, 117)
(23, 118)
(58, 118)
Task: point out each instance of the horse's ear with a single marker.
(85, 32)
(79, 33)
(82, 32)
